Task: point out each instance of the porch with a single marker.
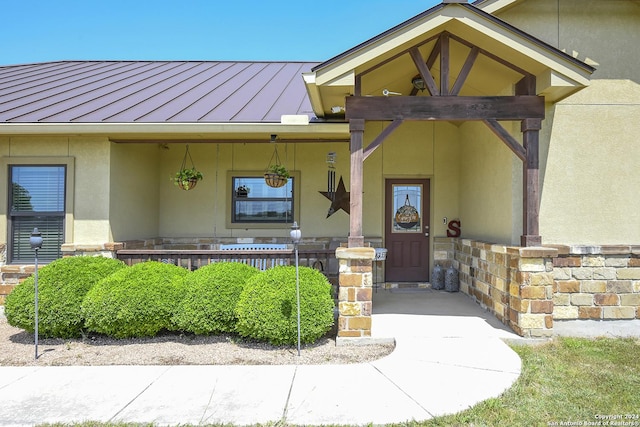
(261, 257)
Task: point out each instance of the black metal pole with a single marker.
(36, 303)
(298, 294)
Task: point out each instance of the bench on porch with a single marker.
(261, 256)
(263, 262)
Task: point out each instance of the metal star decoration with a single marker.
(340, 199)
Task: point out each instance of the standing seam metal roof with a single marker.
(153, 92)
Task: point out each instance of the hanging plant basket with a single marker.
(187, 184)
(407, 216)
(274, 180)
(276, 175)
(187, 178)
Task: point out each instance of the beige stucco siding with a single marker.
(88, 215)
(203, 211)
(591, 180)
(600, 32)
(490, 182)
(92, 190)
(134, 195)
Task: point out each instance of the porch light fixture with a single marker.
(419, 83)
(296, 235)
(36, 244)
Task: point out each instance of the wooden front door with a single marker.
(407, 230)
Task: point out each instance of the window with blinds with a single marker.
(36, 199)
(253, 201)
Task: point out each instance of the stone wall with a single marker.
(483, 270)
(355, 294)
(513, 283)
(597, 283)
(530, 288)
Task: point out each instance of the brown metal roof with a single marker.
(153, 92)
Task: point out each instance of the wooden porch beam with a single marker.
(444, 107)
(506, 137)
(444, 64)
(356, 238)
(464, 72)
(381, 137)
(424, 71)
(531, 183)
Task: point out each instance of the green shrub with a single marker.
(267, 309)
(135, 302)
(210, 298)
(62, 285)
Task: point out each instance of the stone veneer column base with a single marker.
(355, 294)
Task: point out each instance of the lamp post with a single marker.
(296, 234)
(36, 243)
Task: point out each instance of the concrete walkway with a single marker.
(449, 356)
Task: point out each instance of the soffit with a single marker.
(493, 6)
(387, 65)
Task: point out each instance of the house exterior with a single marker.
(497, 137)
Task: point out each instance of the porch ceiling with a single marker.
(384, 62)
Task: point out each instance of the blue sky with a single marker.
(53, 30)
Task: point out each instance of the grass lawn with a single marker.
(568, 381)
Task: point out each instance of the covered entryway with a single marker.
(407, 230)
(457, 64)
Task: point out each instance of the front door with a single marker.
(407, 230)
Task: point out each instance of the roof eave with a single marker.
(311, 131)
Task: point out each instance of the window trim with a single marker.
(6, 162)
(259, 225)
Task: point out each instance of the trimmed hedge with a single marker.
(210, 298)
(135, 302)
(267, 309)
(62, 286)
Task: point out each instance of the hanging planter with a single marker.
(187, 178)
(276, 175)
(407, 216)
(242, 191)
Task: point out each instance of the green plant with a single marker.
(62, 285)
(210, 297)
(187, 178)
(135, 302)
(267, 308)
(278, 170)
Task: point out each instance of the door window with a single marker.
(406, 215)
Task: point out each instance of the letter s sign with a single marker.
(454, 228)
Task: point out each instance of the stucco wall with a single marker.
(89, 219)
(490, 187)
(203, 210)
(591, 178)
(134, 195)
(588, 148)
(603, 33)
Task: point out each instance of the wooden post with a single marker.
(531, 184)
(356, 127)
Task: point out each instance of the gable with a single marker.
(558, 74)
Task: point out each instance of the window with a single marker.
(254, 202)
(36, 199)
